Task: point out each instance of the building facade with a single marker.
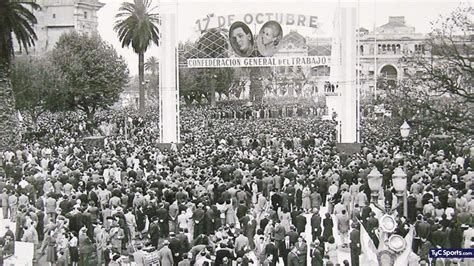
(380, 52)
(60, 16)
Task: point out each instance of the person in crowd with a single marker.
(234, 189)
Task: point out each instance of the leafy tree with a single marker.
(94, 74)
(197, 84)
(16, 18)
(213, 44)
(34, 80)
(136, 25)
(439, 93)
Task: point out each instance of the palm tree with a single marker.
(15, 20)
(152, 65)
(136, 25)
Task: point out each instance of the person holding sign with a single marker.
(269, 38)
(241, 39)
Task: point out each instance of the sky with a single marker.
(418, 14)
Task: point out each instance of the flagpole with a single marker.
(376, 49)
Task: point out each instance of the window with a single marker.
(85, 14)
(54, 15)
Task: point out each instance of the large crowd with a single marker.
(234, 192)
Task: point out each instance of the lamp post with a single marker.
(399, 180)
(405, 131)
(374, 178)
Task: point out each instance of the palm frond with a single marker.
(136, 25)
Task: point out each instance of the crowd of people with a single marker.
(234, 192)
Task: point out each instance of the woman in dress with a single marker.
(306, 199)
(254, 187)
(285, 218)
(51, 248)
(230, 214)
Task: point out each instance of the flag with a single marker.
(402, 259)
(367, 248)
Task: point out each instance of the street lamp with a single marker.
(405, 130)
(374, 178)
(399, 180)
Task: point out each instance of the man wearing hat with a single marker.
(165, 255)
(317, 254)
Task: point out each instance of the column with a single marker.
(169, 84)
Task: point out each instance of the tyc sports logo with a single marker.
(451, 253)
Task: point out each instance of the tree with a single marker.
(196, 84)
(16, 19)
(152, 81)
(93, 72)
(34, 79)
(152, 65)
(136, 25)
(213, 44)
(439, 95)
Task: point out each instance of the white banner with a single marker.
(258, 61)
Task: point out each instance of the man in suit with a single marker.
(175, 247)
(165, 255)
(293, 235)
(264, 221)
(209, 220)
(355, 245)
(184, 241)
(343, 226)
(286, 248)
(423, 229)
(198, 218)
(302, 250)
(138, 256)
(316, 224)
(223, 252)
(293, 259)
(241, 243)
(249, 226)
(154, 232)
(300, 223)
(317, 254)
(241, 210)
(439, 236)
(185, 261)
(270, 248)
(276, 200)
(162, 214)
(279, 235)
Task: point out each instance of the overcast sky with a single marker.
(417, 13)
